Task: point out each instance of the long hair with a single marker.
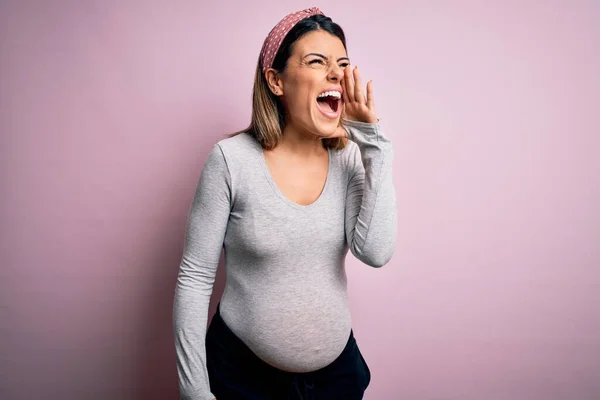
(268, 113)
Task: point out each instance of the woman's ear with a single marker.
(274, 81)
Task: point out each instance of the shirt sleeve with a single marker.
(205, 232)
(371, 198)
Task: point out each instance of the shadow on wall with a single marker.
(155, 367)
(157, 364)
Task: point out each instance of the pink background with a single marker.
(107, 113)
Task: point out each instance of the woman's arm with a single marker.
(205, 233)
(371, 198)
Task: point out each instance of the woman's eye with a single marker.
(344, 65)
(316, 61)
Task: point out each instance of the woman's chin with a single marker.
(326, 128)
(325, 133)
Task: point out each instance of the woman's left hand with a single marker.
(357, 106)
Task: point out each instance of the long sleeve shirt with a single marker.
(286, 289)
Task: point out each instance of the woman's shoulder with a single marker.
(239, 146)
(238, 151)
(239, 142)
(348, 156)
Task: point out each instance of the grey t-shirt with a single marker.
(285, 295)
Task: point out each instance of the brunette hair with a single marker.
(268, 114)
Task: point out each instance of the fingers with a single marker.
(358, 93)
(344, 86)
(352, 85)
(348, 85)
(370, 99)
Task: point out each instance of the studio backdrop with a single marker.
(108, 110)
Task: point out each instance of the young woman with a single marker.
(310, 178)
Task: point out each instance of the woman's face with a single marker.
(310, 86)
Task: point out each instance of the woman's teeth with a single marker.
(332, 93)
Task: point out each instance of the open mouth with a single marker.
(330, 102)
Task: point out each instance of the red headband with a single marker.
(273, 41)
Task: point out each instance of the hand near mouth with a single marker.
(356, 105)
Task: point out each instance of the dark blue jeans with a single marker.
(236, 373)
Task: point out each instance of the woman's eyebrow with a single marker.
(325, 58)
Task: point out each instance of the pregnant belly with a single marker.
(299, 334)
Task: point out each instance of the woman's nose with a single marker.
(336, 74)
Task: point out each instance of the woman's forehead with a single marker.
(320, 42)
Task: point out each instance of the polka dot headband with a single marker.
(275, 37)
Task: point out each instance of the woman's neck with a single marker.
(300, 143)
